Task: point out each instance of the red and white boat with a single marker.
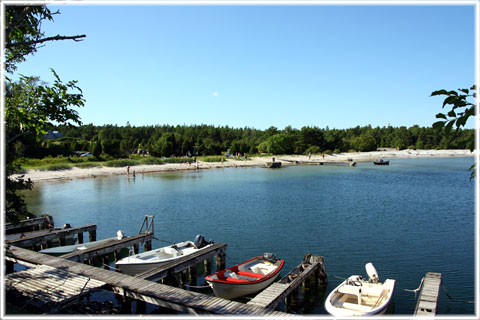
(246, 278)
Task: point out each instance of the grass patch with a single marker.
(151, 160)
(55, 167)
(177, 160)
(86, 165)
(213, 159)
(121, 163)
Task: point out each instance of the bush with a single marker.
(329, 152)
(313, 150)
(121, 163)
(151, 160)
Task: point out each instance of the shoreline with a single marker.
(88, 173)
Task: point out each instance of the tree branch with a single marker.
(55, 38)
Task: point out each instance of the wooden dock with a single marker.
(48, 287)
(42, 237)
(322, 163)
(143, 290)
(275, 164)
(34, 224)
(272, 296)
(428, 298)
(184, 263)
(111, 246)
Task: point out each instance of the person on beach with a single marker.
(133, 174)
(128, 170)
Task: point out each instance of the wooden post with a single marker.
(43, 245)
(220, 261)
(92, 235)
(62, 241)
(141, 307)
(148, 246)
(117, 255)
(136, 248)
(208, 267)
(106, 262)
(193, 275)
(80, 237)
(126, 305)
(9, 267)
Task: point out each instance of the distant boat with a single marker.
(59, 251)
(381, 162)
(145, 261)
(358, 297)
(245, 278)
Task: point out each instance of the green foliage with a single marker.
(313, 150)
(213, 159)
(121, 163)
(55, 167)
(177, 160)
(85, 165)
(461, 108)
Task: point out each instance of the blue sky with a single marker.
(261, 66)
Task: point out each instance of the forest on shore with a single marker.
(167, 141)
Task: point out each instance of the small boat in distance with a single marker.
(246, 278)
(381, 162)
(145, 261)
(59, 251)
(358, 297)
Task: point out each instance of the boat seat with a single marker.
(352, 306)
(372, 292)
(349, 289)
(250, 274)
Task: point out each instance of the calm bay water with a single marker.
(414, 216)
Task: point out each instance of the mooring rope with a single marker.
(416, 290)
(455, 300)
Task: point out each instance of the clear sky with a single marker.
(259, 66)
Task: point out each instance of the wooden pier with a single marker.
(187, 262)
(34, 224)
(143, 290)
(275, 164)
(43, 237)
(272, 296)
(428, 298)
(48, 287)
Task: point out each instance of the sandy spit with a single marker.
(77, 173)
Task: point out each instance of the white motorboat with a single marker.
(245, 278)
(58, 251)
(358, 297)
(138, 263)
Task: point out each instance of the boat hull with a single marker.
(145, 261)
(58, 251)
(245, 278)
(232, 291)
(341, 304)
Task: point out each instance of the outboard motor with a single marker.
(372, 272)
(120, 235)
(66, 226)
(199, 241)
(270, 257)
(355, 281)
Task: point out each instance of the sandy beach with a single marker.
(77, 173)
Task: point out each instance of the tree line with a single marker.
(167, 140)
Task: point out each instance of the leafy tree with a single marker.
(30, 105)
(461, 108)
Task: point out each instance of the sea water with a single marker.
(411, 217)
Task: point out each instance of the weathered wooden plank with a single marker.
(428, 298)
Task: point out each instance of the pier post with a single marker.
(62, 241)
(117, 255)
(193, 275)
(9, 267)
(136, 248)
(92, 235)
(221, 261)
(80, 237)
(141, 307)
(148, 246)
(106, 262)
(208, 267)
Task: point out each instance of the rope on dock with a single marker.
(416, 290)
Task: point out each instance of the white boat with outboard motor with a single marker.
(246, 278)
(138, 263)
(58, 251)
(358, 297)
